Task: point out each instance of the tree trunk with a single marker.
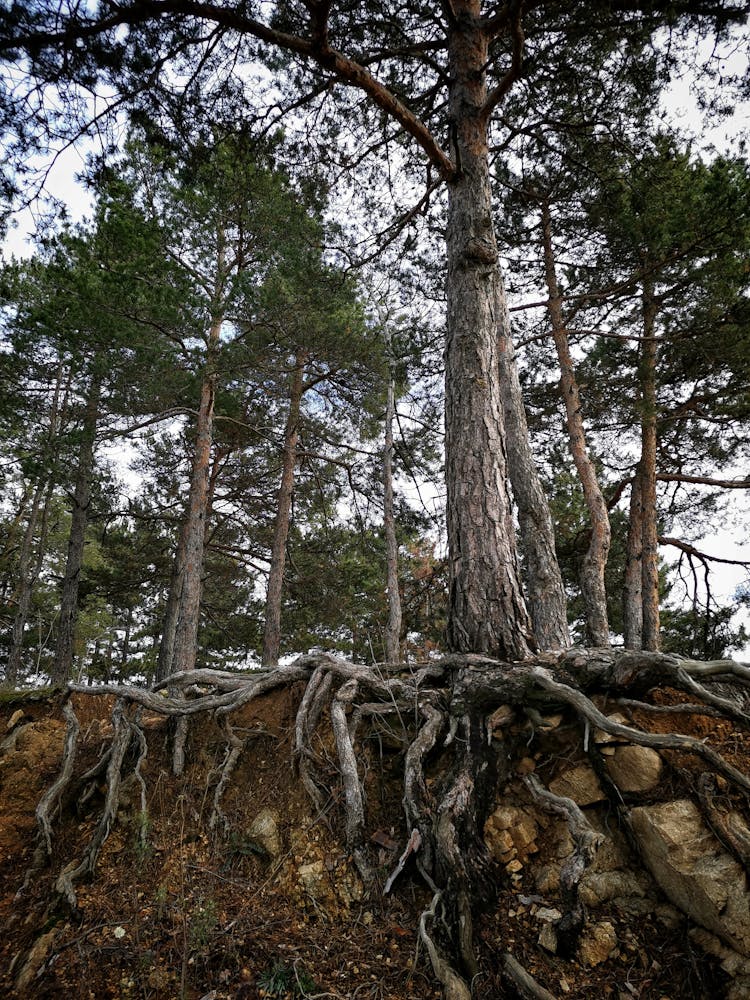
(487, 612)
(544, 587)
(633, 596)
(647, 472)
(63, 661)
(186, 634)
(165, 658)
(272, 632)
(593, 586)
(393, 628)
(24, 587)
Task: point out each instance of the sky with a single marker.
(731, 539)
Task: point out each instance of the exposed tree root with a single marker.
(443, 714)
(586, 841)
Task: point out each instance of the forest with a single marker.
(402, 352)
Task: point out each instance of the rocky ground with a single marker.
(265, 902)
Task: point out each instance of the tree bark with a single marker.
(633, 595)
(63, 661)
(487, 612)
(647, 472)
(594, 565)
(544, 586)
(165, 658)
(186, 633)
(28, 575)
(393, 628)
(272, 632)
(23, 589)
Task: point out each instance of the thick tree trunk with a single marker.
(393, 628)
(272, 632)
(186, 633)
(63, 661)
(487, 611)
(633, 596)
(647, 472)
(593, 586)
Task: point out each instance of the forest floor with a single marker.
(269, 905)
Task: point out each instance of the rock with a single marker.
(547, 880)
(597, 943)
(502, 716)
(13, 721)
(508, 830)
(548, 938)
(549, 914)
(635, 769)
(694, 870)
(35, 960)
(264, 831)
(579, 784)
(598, 887)
(600, 737)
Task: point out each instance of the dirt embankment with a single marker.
(261, 900)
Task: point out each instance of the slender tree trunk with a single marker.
(544, 588)
(125, 654)
(633, 596)
(63, 662)
(487, 612)
(28, 575)
(594, 565)
(272, 632)
(165, 658)
(647, 472)
(24, 587)
(393, 628)
(186, 634)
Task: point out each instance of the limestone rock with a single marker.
(13, 721)
(598, 941)
(579, 784)
(600, 737)
(599, 887)
(548, 938)
(508, 830)
(35, 959)
(635, 769)
(694, 870)
(264, 830)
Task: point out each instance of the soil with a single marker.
(180, 910)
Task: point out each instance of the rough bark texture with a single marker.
(63, 662)
(545, 592)
(647, 473)
(633, 596)
(595, 561)
(487, 610)
(272, 632)
(186, 635)
(393, 628)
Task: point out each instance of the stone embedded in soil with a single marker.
(36, 957)
(600, 737)
(597, 943)
(264, 831)
(13, 721)
(635, 769)
(579, 784)
(694, 870)
(509, 831)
